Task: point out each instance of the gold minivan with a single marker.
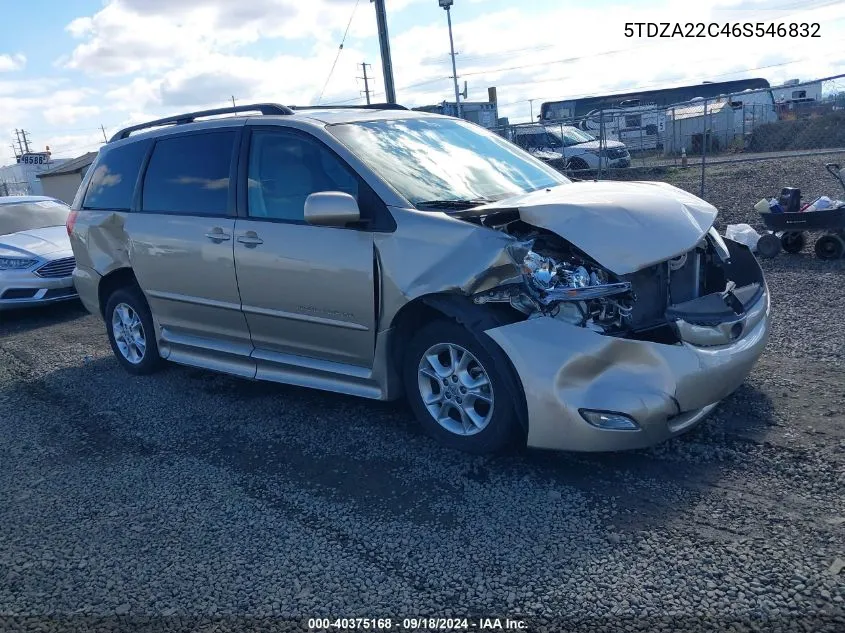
(382, 252)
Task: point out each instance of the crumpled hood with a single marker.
(624, 226)
(52, 239)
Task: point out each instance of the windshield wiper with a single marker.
(452, 205)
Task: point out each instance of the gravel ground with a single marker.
(194, 501)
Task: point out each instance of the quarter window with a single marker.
(284, 169)
(190, 174)
(113, 180)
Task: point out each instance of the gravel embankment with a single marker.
(194, 501)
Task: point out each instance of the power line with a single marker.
(339, 50)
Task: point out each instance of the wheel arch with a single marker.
(118, 278)
(475, 318)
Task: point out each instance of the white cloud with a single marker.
(12, 62)
(133, 60)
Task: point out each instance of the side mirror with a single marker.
(331, 208)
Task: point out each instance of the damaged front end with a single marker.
(706, 297)
(572, 289)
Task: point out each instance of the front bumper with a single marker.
(666, 389)
(25, 290)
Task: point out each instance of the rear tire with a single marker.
(830, 246)
(131, 331)
(449, 373)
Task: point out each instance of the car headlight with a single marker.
(15, 263)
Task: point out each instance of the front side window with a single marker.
(286, 168)
(436, 159)
(190, 174)
(113, 181)
(533, 140)
(29, 216)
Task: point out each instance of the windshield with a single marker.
(445, 160)
(574, 136)
(28, 216)
(570, 136)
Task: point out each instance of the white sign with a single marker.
(40, 158)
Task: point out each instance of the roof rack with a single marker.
(179, 119)
(368, 106)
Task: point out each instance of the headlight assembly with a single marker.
(15, 263)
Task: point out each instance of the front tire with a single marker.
(129, 324)
(461, 391)
(578, 166)
(830, 246)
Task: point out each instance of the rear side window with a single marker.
(113, 181)
(190, 174)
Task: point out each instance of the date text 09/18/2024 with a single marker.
(416, 624)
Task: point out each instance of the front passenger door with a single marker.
(305, 290)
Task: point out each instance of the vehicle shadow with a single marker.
(371, 455)
(26, 319)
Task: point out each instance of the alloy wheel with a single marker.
(128, 331)
(455, 389)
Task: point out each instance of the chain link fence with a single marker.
(612, 143)
(15, 188)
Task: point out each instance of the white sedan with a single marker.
(36, 261)
(568, 148)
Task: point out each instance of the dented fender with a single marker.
(424, 257)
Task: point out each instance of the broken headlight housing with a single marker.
(573, 289)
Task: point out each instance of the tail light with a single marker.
(71, 221)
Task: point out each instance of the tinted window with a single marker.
(113, 181)
(284, 169)
(28, 216)
(190, 174)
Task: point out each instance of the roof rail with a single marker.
(190, 117)
(368, 106)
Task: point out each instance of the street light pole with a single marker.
(447, 4)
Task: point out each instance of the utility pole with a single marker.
(105, 140)
(233, 101)
(384, 44)
(366, 81)
(447, 4)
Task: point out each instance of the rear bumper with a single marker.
(666, 389)
(87, 282)
(31, 291)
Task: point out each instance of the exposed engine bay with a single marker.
(712, 284)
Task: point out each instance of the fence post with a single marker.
(602, 132)
(703, 147)
(674, 140)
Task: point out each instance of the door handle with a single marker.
(217, 235)
(250, 239)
